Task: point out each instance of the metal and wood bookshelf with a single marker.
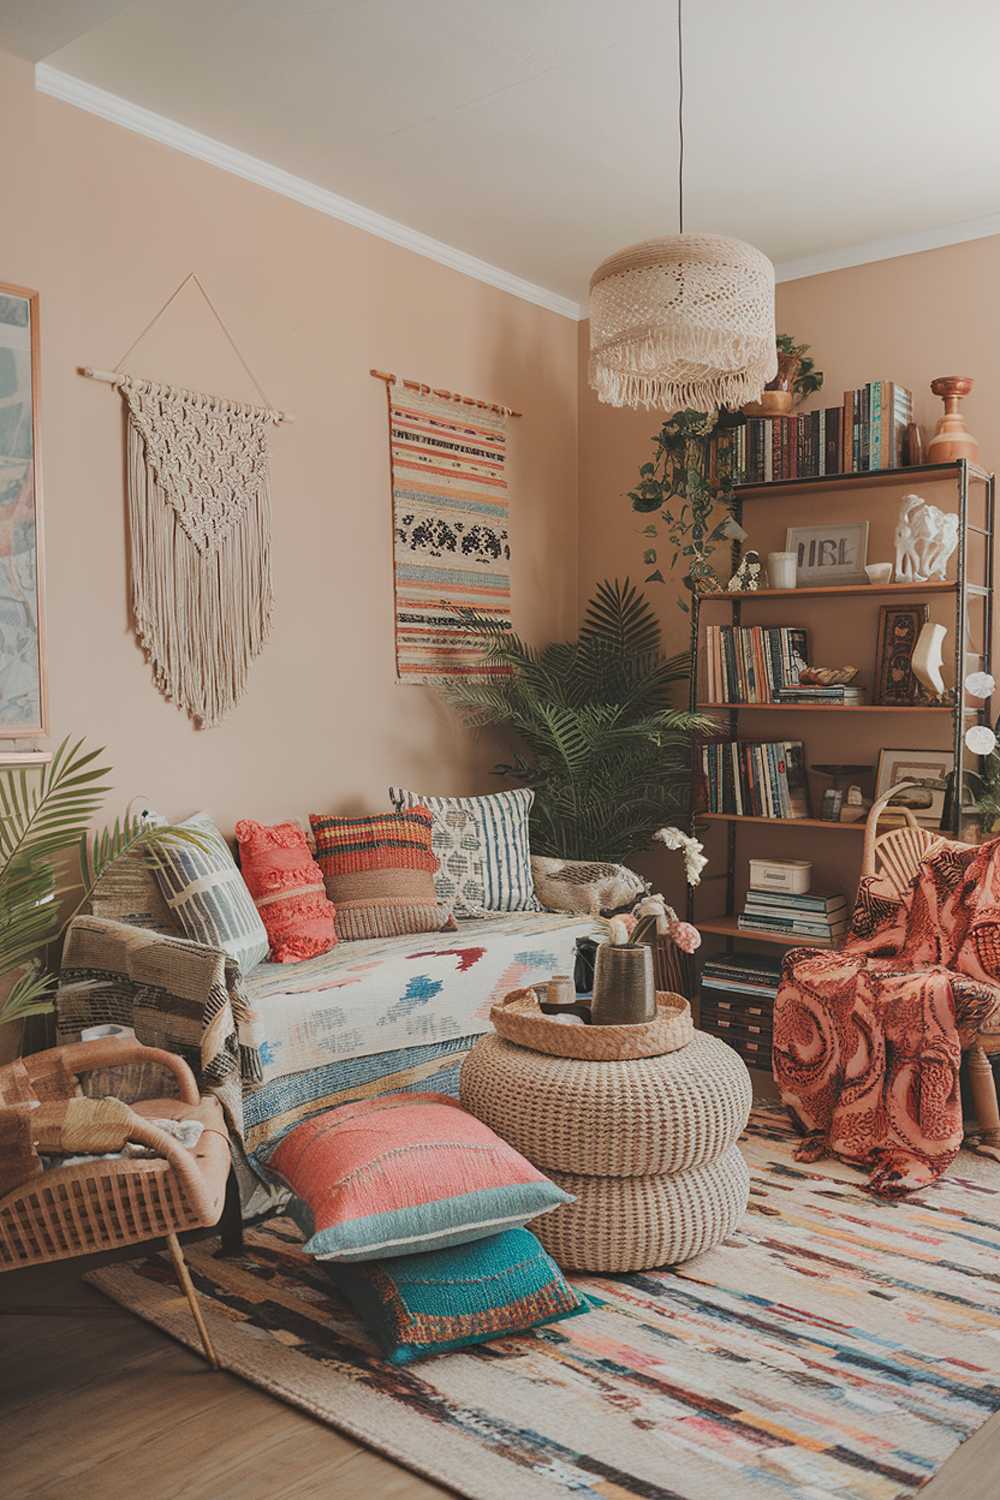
(962, 591)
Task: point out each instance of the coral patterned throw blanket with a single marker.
(868, 1039)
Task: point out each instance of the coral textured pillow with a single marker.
(379, 871)
(405, 1173)
(417, 1305)
(286, 884)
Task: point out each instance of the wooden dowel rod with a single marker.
(416, 385)
(111, 378)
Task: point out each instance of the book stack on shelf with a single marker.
(812, 917)
(835, 692)
(753, 664)
(737, 999)
(755, 779)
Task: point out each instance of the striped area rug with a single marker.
(450, 532)
(835, 1346)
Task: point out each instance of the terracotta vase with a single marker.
(952, 439)
(778, 395)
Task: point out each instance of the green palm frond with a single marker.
(604, 744)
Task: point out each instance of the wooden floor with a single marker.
(96, 1405)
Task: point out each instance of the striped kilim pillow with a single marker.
(207, 894)
(405, 1173)
(379, 873)
(482, 848)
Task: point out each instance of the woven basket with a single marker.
(519, 1018)
(636, 1223)
(634, 1118)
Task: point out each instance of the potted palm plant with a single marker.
(600, 737)
(50, 863)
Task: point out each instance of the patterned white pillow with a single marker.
(208, 896)
(482, 848)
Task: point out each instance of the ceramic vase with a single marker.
(624, 991)
(952, 439)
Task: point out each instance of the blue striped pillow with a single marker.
(209, 897)
(484, 856)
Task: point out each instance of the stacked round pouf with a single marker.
(646, 1145)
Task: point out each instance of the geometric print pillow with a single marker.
(207, 894)
(484, 858)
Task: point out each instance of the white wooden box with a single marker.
(791, 875)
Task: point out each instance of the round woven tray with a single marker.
(519, 1018)
(636, 1223)
(639, 1117)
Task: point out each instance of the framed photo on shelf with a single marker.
(22, 637)
(924, 802)
(835, 553)
(899, 625)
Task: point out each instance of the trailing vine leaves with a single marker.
(689, 484)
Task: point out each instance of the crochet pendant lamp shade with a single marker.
(686, 321)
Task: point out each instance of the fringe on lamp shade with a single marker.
(686, 321)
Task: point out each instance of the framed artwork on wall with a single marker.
(899, 625)
(835, 553)
(924, 802)
(22, 631)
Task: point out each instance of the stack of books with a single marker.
(752, 664)
(874, 426)
(803, 692)
(736, 1002)
(813, 917)
(753, 779)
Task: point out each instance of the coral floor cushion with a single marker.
(287, 886)
(417, 1305)
(403, 1174)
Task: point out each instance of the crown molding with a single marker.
(97, 101)
(887, 249)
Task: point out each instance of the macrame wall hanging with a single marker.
(199, 533)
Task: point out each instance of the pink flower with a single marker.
(687, 938)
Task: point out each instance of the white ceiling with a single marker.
(540, 135)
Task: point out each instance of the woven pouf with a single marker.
(637, 1118)
(634, 1223)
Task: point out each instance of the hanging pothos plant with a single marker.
(692, 495)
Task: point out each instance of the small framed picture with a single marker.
(899, 625)
(830, 554)
(926, 803)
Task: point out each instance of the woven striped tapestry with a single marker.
(450, 533)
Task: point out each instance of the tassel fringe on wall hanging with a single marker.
(200, 541)
(199, 507)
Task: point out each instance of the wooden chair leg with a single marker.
(188, 1287)
(983, 1088)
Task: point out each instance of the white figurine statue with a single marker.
(925, 539)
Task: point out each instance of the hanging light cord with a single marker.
(680, 121)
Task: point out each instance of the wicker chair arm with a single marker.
(115, 1052)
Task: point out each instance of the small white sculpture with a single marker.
(926, 536)
(927, 658)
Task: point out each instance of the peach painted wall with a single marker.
(105, 224)
(907, 319)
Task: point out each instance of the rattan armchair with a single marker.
(894, 855)
(100, 1205)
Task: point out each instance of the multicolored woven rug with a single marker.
(836, 1345)
(450, 534)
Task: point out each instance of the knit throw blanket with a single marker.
(868, 1039)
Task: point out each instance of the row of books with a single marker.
(867, 431)
(812, 916)
(761, 779)
(876, 416)
(753, 663)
